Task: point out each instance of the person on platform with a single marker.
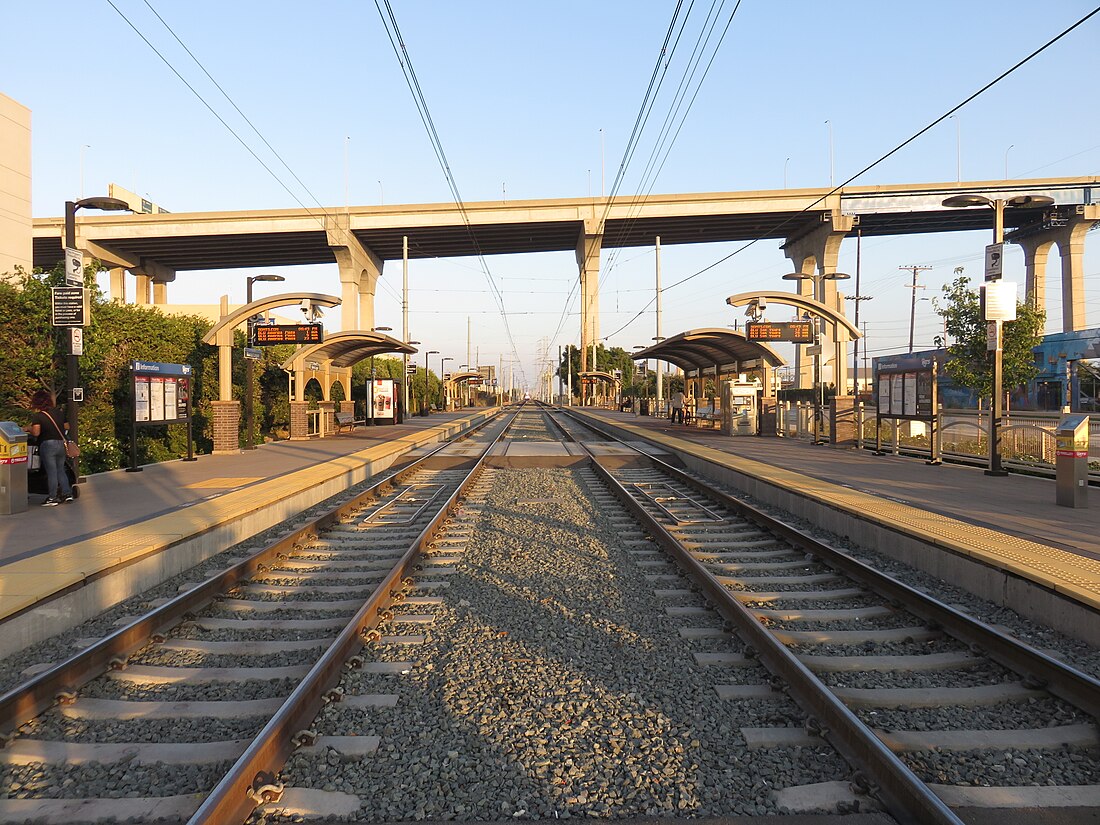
(678, 406)
(48, 427)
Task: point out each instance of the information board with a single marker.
(799, 332)
(270, 335)
(162, 392)
(906, 393)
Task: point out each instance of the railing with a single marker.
(313, 423)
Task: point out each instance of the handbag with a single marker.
(72, 449)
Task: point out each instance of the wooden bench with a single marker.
(344, 419)
(708, 417)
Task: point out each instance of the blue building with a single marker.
(1069, 372)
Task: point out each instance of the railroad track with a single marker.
(200, 700)
(935, 709)
(521, 645)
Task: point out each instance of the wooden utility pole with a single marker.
(913, 304)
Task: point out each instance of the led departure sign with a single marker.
(799, 332)
(272, 334)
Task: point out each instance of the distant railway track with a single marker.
(468, 641)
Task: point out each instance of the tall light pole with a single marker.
(958, 150)
(408, 381)
(996, 407)
(72, 368)
(1009, 149)
(819, 295)
(249, 373)
(370, 417)
(424, 401)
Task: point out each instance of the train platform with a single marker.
(74, 560)
(1011, 524)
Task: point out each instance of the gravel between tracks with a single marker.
(552, 683)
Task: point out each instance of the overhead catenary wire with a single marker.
(790, 218)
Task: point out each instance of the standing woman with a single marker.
(48, 426)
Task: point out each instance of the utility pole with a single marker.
(857, 298)
(658, 339)
(913, 304)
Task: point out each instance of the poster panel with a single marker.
(884, 394)
(141, 398)
(183, 398)
(897, 393)
(909, 394)
(156, 398)
(382, 389)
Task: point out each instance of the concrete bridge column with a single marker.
(118, 284)
(360, 269)
(1036, 253)
(1071, 247)
(160, 292)
(141, 288)
(819, 249)
(589, 244)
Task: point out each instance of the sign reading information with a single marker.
(162, 392)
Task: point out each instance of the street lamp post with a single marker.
(370, 409)
(996, 407)
(407, 385)
(819, 296)
(249, 374)
(443, 385)
(72, 367)
(424, 400)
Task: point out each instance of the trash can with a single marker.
(13, 468)
(1071, 461)
(643, 407)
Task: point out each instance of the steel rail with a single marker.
(905, 796)
(1038, 668)
(28, 700)
(252, 780)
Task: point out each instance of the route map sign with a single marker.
(271, 335)
(798, 332)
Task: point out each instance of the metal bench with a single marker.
(344, 419)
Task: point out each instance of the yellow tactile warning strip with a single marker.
(27, 581)
(1067, 573)
(222, 482)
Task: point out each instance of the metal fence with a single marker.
(1027, 438)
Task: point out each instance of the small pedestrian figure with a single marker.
(678, 406)
(48, 427)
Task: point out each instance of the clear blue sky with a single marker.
(519, 93)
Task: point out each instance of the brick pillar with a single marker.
(299, 420)
(328, 417)
(842, 421)
(227, 426)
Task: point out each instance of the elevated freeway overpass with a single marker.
(812, 223)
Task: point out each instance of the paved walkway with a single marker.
(109, 501)
(1018, 505)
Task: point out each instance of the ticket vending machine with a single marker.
(739, 406)
(1071, 461)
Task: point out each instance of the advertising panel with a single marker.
(382, 394)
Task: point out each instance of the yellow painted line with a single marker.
(28, 581)
(1068, 573)
(222, 482)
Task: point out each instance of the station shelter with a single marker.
(328, 363)
(458, 388)
(600, 388)
(712, 355)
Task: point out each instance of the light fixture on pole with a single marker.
(72, 369)
(993, 329)
(424, 400)
(819, 296)
(370, 409)
(443, 385)
(249, 373)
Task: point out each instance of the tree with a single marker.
(968, 361)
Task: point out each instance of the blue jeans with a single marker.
(52, 453)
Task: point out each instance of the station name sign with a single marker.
(799, 332)
(270, 335)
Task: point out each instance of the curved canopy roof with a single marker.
(461, 377)
(701, 349)
(802, 302)
(345, 349)
(598, 375)
(234, 319)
